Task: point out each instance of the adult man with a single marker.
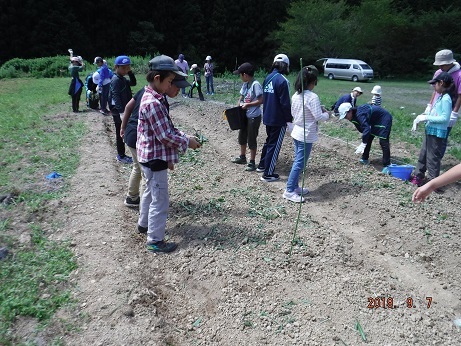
(348, 98)
(184, 66)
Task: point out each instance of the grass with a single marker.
(37, 137)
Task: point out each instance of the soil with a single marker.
(252, 268)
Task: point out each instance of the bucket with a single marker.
(401, 171)
(236, 117)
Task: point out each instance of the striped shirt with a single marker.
(157, 138)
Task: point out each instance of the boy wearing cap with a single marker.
(371, 121)
(348, 98)
(103, 81)
(444, 60)
(120, 94)
(277, 113)
(157, 146)
(437, 122)
(251, 96)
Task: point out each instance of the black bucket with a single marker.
(237, 118)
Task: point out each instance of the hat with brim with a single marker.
(358, 89)
(343, 109)
(246, 67)
(180, 82)
(165, 63)
(444, 77)
(444, 57)
(122, 60)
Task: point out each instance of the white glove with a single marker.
(361, 148)
(290, 127)
(428, 109)
(453, 118)
(97, 89)
(418, 119)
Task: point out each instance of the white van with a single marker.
(350, 69)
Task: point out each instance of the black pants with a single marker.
(118, 138)
(76, 100)
(271, 148)
(385, 147)
(199, 89)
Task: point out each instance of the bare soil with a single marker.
(251, 267)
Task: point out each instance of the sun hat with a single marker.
(122, 60)
(358, 89)
(180, 81)
(343, 109)
(444, 57)
(282, 58)
(376, 90)
(246, 67)
(208, 58)
(193, 66)
(165, 63)
(445, 77)
(97, 60)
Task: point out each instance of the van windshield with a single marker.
(366, 66)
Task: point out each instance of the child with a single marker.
(277, 113)
(450, 176)
(197, 83)
(438, 119)
(128, 132)
(348, 98)
(76, 85)
(307, 112)
(103, 78)
(376, 98)
(370, 121)
(158, 143)
(251, 96)
(120, 94)
(208, 67)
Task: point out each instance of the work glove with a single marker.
(419, 118)
(428, 109)
(453, 118)
(290, 127)
(98, 90)
(361, 148)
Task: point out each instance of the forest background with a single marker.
(396, 37)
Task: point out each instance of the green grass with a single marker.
(38, 136)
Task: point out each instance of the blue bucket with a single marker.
(401, 171)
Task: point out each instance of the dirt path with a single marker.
(233, 280)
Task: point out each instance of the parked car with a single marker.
(350, 69)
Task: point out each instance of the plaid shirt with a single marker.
(157, 137)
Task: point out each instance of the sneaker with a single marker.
(364, 162)
(132, 203)
(270, 178)
(250, 167)
(293, 196)
(124, 159)
(162, 246)
(416, 181)
(142, 230)
(102, 111)
(259, 169)
(386, 170)
(240, 160)
(304, 190)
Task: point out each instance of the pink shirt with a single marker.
(456, 80)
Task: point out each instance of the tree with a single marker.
(145, 40)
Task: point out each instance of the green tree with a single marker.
(144, 41)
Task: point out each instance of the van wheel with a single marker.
(331, 77)
(355, 78)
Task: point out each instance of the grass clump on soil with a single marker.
(38, 137)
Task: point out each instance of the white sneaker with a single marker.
(304, 190)
(293, 196)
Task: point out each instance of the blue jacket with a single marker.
(276, 100)
(439, 118)
(372, 120)
(343, 99)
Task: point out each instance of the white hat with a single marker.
(359, 89)
(96, 77)
(208, 58)
(343, 109)
(193, 66)
(444, 57)
(376, 90)
(282, 58)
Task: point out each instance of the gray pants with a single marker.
(430, 157)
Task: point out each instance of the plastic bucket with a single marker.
(236, 117)
(401, 171)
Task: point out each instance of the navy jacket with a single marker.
(120, 92)
(343, 99)
(372, 120)
(276, 100)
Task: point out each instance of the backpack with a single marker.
(89, 84)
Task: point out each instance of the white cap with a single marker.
(96, 77)
(359, 89)
(283, 58)
(208, 58)
(376, 90)
(343, 109)
(193, 66)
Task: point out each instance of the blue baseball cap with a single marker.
(122, 60)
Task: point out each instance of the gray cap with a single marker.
(165, 63)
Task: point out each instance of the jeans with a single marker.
(104, 96)
(153, 209)
(302, 153)
(209, 84)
